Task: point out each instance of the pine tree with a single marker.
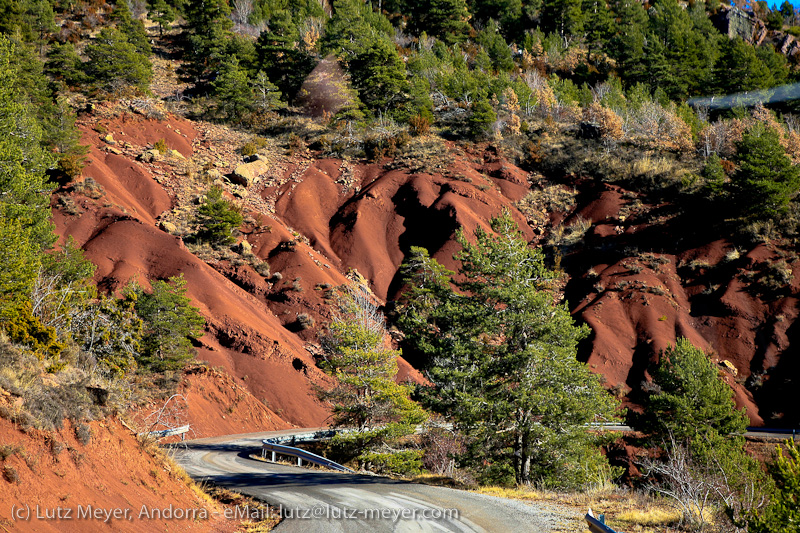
(209, 34)
(503, 361)
(282, 57)
(506, 13)
(739, 69)
(598, 24)
(688, 398)
(714, 175)
(266, 94)
(232, 90)
(444, 19)
(162, 13)
(496, 47)
(25, 228)
(217, 219)
(627, 47)
(765, 180)
(481, 118)
(23, 160)
(775, 62)
(64, 63)
(562, 17)
(114, 63)
(353, 26)
(378, 74)
(20, 260)
(202, 15)
(169, 321)
(787, 10)
(366, 398)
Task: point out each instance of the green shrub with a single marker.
(72, 164)
(161, 146)
(404, 462)
(115, 63)
(24, 328)
(482, 117)
(766, 179)
(217, 218)
(782, 513)
(169, 321)
(249, 149)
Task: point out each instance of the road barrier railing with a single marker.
(267, 446)
(161, 433)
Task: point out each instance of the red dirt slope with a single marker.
(641, 277)
(54, 470)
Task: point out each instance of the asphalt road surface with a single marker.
(326, 502)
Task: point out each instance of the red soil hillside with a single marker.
(313, 220)
(111, 471)
(213, 402)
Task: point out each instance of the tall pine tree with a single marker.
(503, 360)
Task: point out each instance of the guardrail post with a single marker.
(274, 456)
(299, 461)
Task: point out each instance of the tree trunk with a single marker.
(522, 459)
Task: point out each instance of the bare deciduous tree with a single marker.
(700, 489)
(171, 415)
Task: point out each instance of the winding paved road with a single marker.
(325, 502)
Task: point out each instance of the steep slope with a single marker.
(641, 276)
(44, 472)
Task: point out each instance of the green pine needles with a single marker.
(217, 218)
(169, 321)
(367, 397)
(502, 354)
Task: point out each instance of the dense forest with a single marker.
(685, 102)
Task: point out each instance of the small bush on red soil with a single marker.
(10, 474)
(419, 125)
(84, 434)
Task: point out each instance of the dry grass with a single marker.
(565, 236)
(624, 510)
(538, 203)
(424, 154)
(653, 517)
(263, 518)
(438, 481)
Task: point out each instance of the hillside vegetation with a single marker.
(515, 217)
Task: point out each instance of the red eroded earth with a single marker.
(635, 284)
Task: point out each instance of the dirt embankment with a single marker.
(103, 467)
(641, 276)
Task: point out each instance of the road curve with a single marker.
(326, 502)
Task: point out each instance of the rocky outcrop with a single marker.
(249, 173)
(736, 22)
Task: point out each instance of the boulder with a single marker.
(168, 227)
(108, 139)
(248, 173)
(148, 156)
(243, 248)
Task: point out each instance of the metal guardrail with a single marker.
(782, 431)
(300, 454)
(311, 436)
(160, 434)
(597, 524)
